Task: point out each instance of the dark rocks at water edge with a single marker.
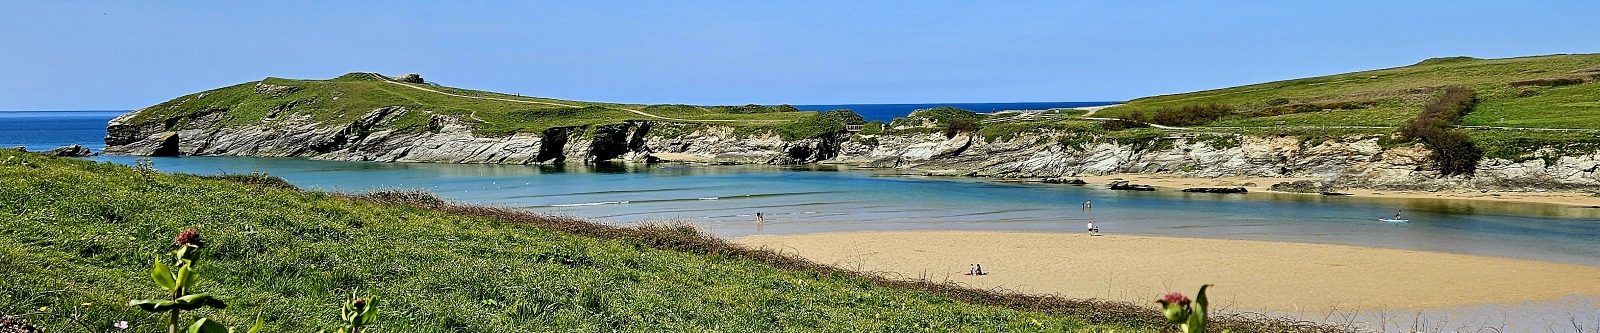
(1224, 190)
(1300, 186)
(69, 151)
(1074, 181)
(1123, 185)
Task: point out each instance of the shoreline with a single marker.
(1262, 185)
(1249, 275)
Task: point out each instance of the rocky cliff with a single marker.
(1355, 162)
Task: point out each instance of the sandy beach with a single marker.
(1249, 275)
(1261, 184)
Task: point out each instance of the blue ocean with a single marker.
(41, 130)
(887, 112)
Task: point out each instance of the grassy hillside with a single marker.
(78, 238)
(1556, 91)
(347, 98)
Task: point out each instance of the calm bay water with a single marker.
(886, 112)
(723, 199)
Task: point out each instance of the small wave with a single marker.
(591, 204)
(709, 198)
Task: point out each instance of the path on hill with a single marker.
(635, 111)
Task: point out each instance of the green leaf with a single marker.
(1197, 319)
(153, 305)
(162, 275)
(206, 325)
(186, 276)
(370, 314)
(257, 327)
(195, 301)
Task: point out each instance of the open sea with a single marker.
(724, 199)
(887, 112)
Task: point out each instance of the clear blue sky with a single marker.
(59, 55)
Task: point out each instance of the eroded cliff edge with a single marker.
(1352, 162)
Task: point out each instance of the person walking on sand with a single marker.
(1093, 231)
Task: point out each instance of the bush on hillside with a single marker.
(254, 178)
(1288, 108)
(1453, 152)
(1548, 82)
(1192, 115)
(753, 108)
(960, 125)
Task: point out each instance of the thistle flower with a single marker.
(1174, 298)
(189, 237)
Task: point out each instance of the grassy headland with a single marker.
(78, 238)
(349, 97)
(1555, 91)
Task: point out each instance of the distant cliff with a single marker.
(286, 119)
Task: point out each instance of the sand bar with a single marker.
(1249, 275)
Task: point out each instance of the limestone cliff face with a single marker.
(451, 140)
(1355, 163)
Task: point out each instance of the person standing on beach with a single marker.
(1093, 231)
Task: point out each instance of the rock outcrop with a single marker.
(1353, 162)
(69, 151)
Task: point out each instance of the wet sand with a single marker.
(1249, 275)
(1261, 184)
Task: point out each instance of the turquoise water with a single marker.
(724, 199)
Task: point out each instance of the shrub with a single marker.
(1292, 108)
(1547, 82)
(254, 178)
(1453, 152)
(753, 108)
(1187, 115)
(960, 125)
(417, 198)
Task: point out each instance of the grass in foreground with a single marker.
(79, 236)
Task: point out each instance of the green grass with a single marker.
(78, 232)
(347, 98)
(1399, 92)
